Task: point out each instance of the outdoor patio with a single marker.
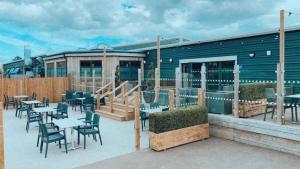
(21, 150)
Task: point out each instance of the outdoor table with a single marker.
(31, 102)
(295, 100)
(20, 97)
(43, 110)
(69, 123)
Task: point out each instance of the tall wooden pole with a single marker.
(104, 67)
(280, 91)
(157, 71)
(137, 121)
(236, 90)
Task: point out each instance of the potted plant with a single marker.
(171, 129)
(253, 100)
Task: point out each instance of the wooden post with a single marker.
(279, 98)
(280, 71)
(201, 98)
(1, 137)
(111, 103)
(112, 80)
(139, 80)
(178, 84)
(104, 67)
(236, 90)
(98, 100)
(94, 76)
(203, 81)
(171, 100)
(157, 85)
(85, 80)
(137, 121)
(157, 71)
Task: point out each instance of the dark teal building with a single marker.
(256, 54)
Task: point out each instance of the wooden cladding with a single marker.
(43, 87)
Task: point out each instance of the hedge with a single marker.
(254, 91)
(180, 118)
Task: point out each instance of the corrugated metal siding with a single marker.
(261, 67)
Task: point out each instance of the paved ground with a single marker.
(21, 151)
(213, 153)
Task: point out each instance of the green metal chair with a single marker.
(92, 129)
(51, 128)
(20, 108)
(32, 117)
(88, 104)
(51, 138)
(271, 99)
(88, 117)
(61, 113)
(143, 116)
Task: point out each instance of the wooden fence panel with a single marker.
(43, 87)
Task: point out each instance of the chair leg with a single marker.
(84, 141)
(292, 111)
(78, 137)
(38, 140)
(273, 110)
(100, 137)
(296, 114)
(59, 144)
(142, 124)
(46, 150)
(266, 111)
(41, 147)
(27, 127)
(66, 145)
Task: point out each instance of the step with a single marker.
(118, 106)
(123, 106)
(116, 116)
(115, 110)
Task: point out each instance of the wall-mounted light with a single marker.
(144, 62)
(269, 52)
(160, 60)
(171, 60)
(252, 55)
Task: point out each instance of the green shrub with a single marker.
(181, 118)
(254, 91)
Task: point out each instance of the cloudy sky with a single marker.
(55, 25)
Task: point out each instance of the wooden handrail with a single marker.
(132, 90)
(104, 87)
(118, 87)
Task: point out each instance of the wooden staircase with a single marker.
(119, 107)
(119, 112)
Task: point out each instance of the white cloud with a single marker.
(69, 23)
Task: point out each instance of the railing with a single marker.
(126, 100)
(102, 89)
(111, 95)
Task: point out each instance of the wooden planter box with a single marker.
(252, 109)
(169, 139)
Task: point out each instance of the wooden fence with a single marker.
(43, 87)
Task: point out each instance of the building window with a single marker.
(89, 66)
(50, 69)
(61, 69)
